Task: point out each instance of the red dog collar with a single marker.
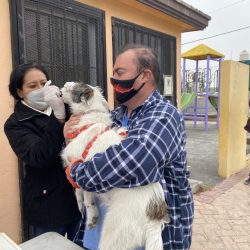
(76, 132)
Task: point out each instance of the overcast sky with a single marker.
(226, 16)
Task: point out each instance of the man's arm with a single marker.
(137, 160)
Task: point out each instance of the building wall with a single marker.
(128, 10)
(9, 182)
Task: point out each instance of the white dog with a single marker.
(135, 216)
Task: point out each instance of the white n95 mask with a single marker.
(36, 98)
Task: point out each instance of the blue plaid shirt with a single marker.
(154, 151)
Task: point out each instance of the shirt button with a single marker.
(44, 191)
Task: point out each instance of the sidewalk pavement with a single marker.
(222, 215)
(202, 152)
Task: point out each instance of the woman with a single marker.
(35, 133)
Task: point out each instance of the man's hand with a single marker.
(70, 124)
(67, 171)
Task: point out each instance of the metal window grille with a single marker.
(65, 37)
(164, 46)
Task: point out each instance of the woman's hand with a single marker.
(69, 126)
(52, 96)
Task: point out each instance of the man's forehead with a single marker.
(127, 54)
(124, 60)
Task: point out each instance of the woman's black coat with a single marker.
(37, 139)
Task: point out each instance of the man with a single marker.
(156, 128)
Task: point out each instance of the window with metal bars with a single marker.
(66, 37)
(164, 45)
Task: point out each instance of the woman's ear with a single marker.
(20, 93)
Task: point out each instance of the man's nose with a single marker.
(115, 75)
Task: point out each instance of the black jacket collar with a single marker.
(24, 112)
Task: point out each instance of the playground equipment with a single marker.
(186, 100)
(201, 52)
(214, 101)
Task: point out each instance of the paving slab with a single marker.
(222, 215)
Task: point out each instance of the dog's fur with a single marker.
(135, 216)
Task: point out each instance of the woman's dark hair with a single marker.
(17, 75)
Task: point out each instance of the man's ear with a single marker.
(147, 75)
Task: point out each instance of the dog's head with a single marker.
(83, 98)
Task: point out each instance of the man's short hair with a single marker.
(145, 59)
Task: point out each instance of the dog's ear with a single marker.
(82, 93)
(87, 94)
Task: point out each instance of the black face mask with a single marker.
(124, 88)
(124, 97)
(124, 84)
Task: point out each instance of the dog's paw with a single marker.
(93, 222)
